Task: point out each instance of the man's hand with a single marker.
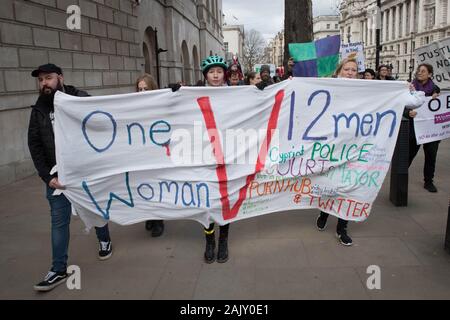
(412, 113)
(435, 95)
(54, 184)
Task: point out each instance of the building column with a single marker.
(404, 15)
(412, 22)
(363, 31)
(439, 13)
(448, 11)
(391, 24)
(420, 16)
(397, 22)
(385, 18)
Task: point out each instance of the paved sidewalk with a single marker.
(277, 256)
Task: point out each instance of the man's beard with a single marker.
(47, 94)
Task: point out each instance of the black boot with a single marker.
(210, 257)
(158, 228)
(222, 254)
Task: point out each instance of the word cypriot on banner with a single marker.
(313, 143)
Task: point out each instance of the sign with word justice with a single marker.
(229, 153)
(437, 54)
(432, 122)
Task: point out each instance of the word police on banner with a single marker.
(437, 54)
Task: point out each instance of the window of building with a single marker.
(226, 46)
(430, 18)
(328, 26)
(406, 48)
(398, 49)
(336, 26)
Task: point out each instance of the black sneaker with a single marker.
(430, 187)
(158, 228)
(105, 251)
(321, 222)
(51, 280)
(344, 238)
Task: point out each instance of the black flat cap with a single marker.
(46, 68)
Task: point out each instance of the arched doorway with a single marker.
(186, 64)
(197, 70)
(148, 48)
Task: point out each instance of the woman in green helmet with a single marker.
(214, 69)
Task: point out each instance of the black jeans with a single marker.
(430, 149)
(341, 225)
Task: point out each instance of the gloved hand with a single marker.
(176, 87)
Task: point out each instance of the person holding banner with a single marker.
(214, 69)
(423, 82)
(348, 68)
(41, 142)
(146, 83)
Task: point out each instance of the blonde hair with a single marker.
(149, 80)
(341, 65)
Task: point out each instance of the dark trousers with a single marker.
(341, 225)
(223, 230)
(430, 149)
(61, 210)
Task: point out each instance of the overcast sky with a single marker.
(266, 16)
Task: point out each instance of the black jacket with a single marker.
(41, 139)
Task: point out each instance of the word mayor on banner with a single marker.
(354, 51)
(432, 122)
(437, 54)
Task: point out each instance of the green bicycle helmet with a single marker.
(213, 61)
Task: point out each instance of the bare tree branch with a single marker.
(254, 49)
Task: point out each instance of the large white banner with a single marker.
(437, 54)
(229, 153)
(432, 122)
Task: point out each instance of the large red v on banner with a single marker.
(221, 170)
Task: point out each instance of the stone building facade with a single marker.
(234, 37)
(276, 49)
(325, 26)
(405, 26)
(117, 42)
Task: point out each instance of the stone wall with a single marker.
(104, 57)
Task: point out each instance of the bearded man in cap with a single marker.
(41, 142)
(265, 77)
